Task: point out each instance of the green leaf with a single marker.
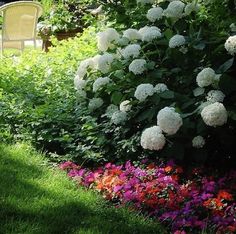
(168, 33)
(200, 46)
(116, 97)
(227, 84)
(225, 66)
(175, 150)
(199, 155)
(198, 91)
(167, 94)
(147, 114)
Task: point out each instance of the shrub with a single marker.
(37, 99)
(176, 73)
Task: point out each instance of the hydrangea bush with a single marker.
(178, 80)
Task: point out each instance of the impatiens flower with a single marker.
(103, 62)
(106, 37)
(131, 51)
(152, 138)
(176, 41)
(149, 33)
(119, 117)
(100, 82)
(143, 91)
(169, 120)
(154, 14)
(175, 9)
(95, 103)
(68, 165)
(230, 45)
(160, 88)
(205, 77)
(132, 34)
(198, 142)
(138, 66)
(215, 96)
(214, 114)
(125, 106)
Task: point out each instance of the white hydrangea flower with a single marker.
(152, 138)
(205, 77)
(191, 7)
(138, 66)
(149, 33)
(198, 142)
(215, 96)
(145, 1)
(214, 114)
(103, 62)
(79, 83)
(105, 38)
(95, 103)
(131, 51)
(81, 94)
(83, 67)
(169, 120)
(111, 109)
(100, 82)
(132, 34)
(119, 117)
(174, 10)
(230, 45)
(143, 91)
(154, 14)
(161, 87)
(232, 27)
(125, 106)
(176, 41)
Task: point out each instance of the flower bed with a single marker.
(188, 201)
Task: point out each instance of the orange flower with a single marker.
(168, 169)
(225, 195)
(213, 203)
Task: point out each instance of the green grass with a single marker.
(36, 198)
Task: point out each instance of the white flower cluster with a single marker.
(138, 66)
(95, 103)
(143, 91)
(154, 14)
(215, 96)
(125, 106)
(152, 138)
(160, 88)
(214, 114)
(176, 41)
(175, 10)
(111, 109)
(145, 1)
(233, 27)
(103, 62)
(198, 142)
(169, 120)
(230, 45)
(79, 83)
(119, 117)
(206, 77)
(149, 33)
(131, 51)
(83, 67)
(191, 7)
(105, 38)
(132, 34)
(100, 82)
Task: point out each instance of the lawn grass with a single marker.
(36, 198)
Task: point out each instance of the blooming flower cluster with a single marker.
(188, 201)
(100, 82)
(95, 103)
(175, 10)
(154, 14)
(143, 91)
(176, 41)
(230, 45)
(205, 77)
(131, 51)
(198, 142)
(137, 66)
(149, 33)
(215, 96)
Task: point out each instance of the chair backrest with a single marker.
(20, 20)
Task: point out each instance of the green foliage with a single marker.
(36, 198)
(178, 69)
(37, 100)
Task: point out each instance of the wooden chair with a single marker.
(19, 24)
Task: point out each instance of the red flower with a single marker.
(225, 195)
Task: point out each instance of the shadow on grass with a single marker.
(56, 206)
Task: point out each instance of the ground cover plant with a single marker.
(37, 198)
(166, 89)
(189, 200)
